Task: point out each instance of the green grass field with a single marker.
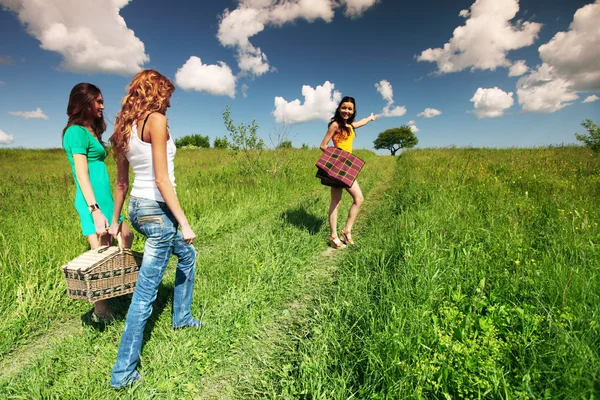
(477, 275)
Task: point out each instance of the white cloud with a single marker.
(414, 128)
(397, 111)
(90, 35)
(251, 17)
(491, 103)
(574, 54)
(464, 13)
(214, 79)
(5, 138)
(244, 89)
(543, 91)
(319, 104)
(591, 99)
(570, 65)
(37, 114)
(355, 8)
(412, 122)
(485, 39)
(429, 113)
(518, 68)
(387, 92)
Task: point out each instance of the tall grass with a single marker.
(478, 277)
(257, 234)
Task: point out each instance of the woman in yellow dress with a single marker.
(341, 132)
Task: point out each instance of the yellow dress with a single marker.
(344, 143)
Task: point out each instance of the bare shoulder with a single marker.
(157, 119)
(334, 126)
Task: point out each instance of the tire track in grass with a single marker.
(266, 357)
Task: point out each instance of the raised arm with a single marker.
(157, 129)
(121, 189)
(328, 135)
(83, 178)
(364, 121)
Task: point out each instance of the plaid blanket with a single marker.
(338, 168)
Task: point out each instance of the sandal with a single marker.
(102, 319)
(194, 323)
(347, 237)
(336, 243)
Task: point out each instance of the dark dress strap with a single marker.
(143, 126)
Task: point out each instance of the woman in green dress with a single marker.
(82, 141)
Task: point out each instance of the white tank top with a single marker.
(140, 158)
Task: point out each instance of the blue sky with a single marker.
(484, 73)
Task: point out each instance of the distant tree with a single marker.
(395, 139)
(304, 146)
(193, 140)
(221, 143)
(592, 139)
(286, 144)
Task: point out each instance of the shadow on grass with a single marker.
(301, 219)
(120, 305)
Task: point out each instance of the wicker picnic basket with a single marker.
(99, 274)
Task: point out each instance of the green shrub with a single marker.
(193, 141)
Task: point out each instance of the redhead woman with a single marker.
(142, 140)
(341, 132)
(82, 142)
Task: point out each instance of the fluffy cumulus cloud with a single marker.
(570, 65)
(36, 114)
(319, 104)
(5, 138)
(544, 91)
(355, 8)
(251, 17)
(213, 79)
(574, 54)
(429, 113)
(387, 92)
(91, 36)
(518, 68)
(491, 103)
(413, 128)
(591, 99)
(485, 39)
(412, 122)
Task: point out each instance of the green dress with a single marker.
(78, 140)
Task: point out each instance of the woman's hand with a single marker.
(100, 222)
(188, 234)
(373, 117)
(113, 231)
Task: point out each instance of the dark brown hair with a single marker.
(337, 117)
(79, 110)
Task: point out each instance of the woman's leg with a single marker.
(101, 308)
(357, 200)
(149, 219)
(184, 282)
(126, 235)
(336, 198)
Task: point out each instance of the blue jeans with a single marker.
(154, 220)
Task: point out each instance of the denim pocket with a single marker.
(150, 225)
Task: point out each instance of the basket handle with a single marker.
(119, 243)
